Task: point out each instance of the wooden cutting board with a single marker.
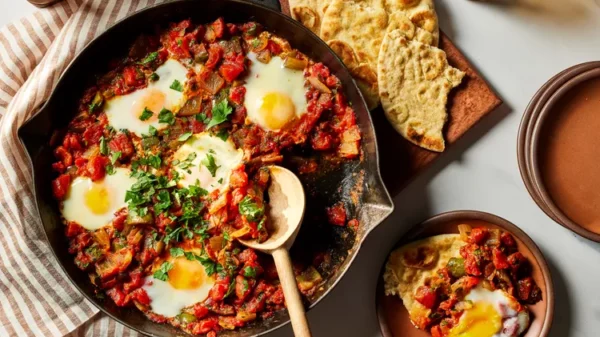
(400, 160)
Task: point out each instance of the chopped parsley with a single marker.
(250, 209)
(220, 181)
(146, 114)
(110, 170)
(219, 113)
(176, 252)
(103, 146)
(164, 201)
(166, 116)
(163, 272)
(150, 58)
(184, 137)
(201, 117)
(226, 236)
(210, 164)
(152, 131)
(154, 77)
(249, 272)
(187, 163)
(177, 86)
(223, 134)
(114, 157)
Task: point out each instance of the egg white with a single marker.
(226, 156)
(123, 111)
(273, 77)
(75, 207)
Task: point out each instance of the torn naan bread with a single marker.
(309, 12)
(409, 266)
(414, 81)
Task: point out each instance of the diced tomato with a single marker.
(337, 214)
(448, 304)
(162, 221)
(141, 296)
(239, 177)
(274, 48)
(205, 325)
(118, 296)
(211, 334)
(471, 266)
(353, 224)
(97, 167)
(242, 287)
(60, 186)
(239, 114)
(133, 76)
(64, 156)
(215, 52)
(236, 94)
(93, 133)
(321, 140)
(218, 27)
(72, 142)
(136, 280)
(331, 81)
(73, 229)
(122, 143)
(426, 296)
(478, 235)
(499, 259)
(232, 29)
(119, 221)
(200, 311)
(196, 126)
(248, 255)
(217, 292)
(469, 282)
(59, 167)
(507, 240)
(231, 69)
(436, 331)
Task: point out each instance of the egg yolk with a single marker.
(153, 100)
(276, 110)
(482, 320)
(97, 199)
(186, 274)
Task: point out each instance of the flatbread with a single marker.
(420, 12)
(354, 29)
(309, 12)
(414, 82)
(402, 276)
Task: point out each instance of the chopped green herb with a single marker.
(176, 252)
(226, 236)
(103, 146)
(110, 169)
(219, 113)
(187, 163)
(163, 272)
(210, 164)
(201, 117)
(164, 201)
(177, 86)
(190, 256)
(250, 209)
(166, 116)
(152, 131)
(150, 58)
(146, 114)
(223, 134)
(220, 181)
(250, 272)
(114, 157)
(184, 137)
(209, 265)
(154, 77)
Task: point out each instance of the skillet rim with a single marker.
(385, 204)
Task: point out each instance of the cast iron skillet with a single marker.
(356, 182)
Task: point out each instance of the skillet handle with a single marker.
(273, 4)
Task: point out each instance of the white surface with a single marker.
(517, 45)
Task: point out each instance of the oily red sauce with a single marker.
(570, 154)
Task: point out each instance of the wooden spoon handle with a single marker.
(293, 300)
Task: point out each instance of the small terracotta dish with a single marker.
(393, 316)
(528, 148)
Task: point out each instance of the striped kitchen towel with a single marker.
(36, 298)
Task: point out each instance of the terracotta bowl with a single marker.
(525, 150)
(393, 317)
(561, 86)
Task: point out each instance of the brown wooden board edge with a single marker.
(400, 160)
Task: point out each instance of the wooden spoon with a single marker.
(286, 209)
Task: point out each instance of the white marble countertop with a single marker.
(517, 45)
